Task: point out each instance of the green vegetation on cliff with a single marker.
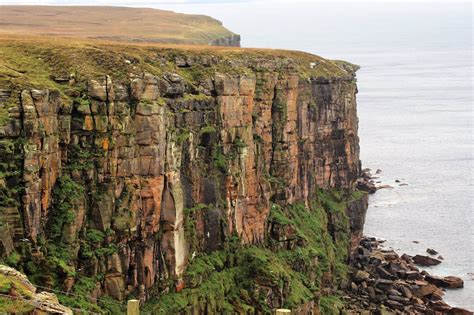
(166, 173)
(295, 268)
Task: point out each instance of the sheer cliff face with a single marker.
(133, 176)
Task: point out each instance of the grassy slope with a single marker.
(118, 23)
(231, 280)
(27, 61)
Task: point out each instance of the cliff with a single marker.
(196, 179)
(115, 24)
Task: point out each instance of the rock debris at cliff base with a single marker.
(176, 175)
(382, 281)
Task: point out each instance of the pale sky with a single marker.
(156, 3)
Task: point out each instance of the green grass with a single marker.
(331, 305)
(231, 279)
(15, 306)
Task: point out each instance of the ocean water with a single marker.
(415, 107)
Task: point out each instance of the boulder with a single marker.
(394, 304)
(459, 311)
(413, 275)
(425, 260)
(406, 292)
(366, 186)
(406, 258)
(450, 282)
(425, 290)
(390, 255)
(361, 275)
(431, 251)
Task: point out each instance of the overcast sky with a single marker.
(156, 3)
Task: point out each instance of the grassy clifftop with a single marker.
(42, 62)
(112, 23)
(34, 60)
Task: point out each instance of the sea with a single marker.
(415, 107)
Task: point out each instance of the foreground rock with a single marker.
(19, 295)
(384, 281)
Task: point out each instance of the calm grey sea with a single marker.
(415, 108)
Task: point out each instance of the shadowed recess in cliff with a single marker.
(138, 170)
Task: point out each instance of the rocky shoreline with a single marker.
(384, 282)
(372, 183)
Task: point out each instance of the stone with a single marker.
(361, 275)
(413, 275)
(398, 298)
(393, 292)
(424, 290)
(354, 286)
(459, 311)
(383, 283)
(425, 260)
(440, 306)
(406, 292)
(407, 258)
(390, 255)
(366, 186)
(431, 251)
(384, 273)
(394, 304)
(371, 292)
(449, 282)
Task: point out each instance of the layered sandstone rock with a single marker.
(113, 170)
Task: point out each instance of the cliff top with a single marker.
(48, 62)
(112, 23)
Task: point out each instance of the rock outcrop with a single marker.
(383, 281)
(126, 169)
(18, 295)
(232, 41)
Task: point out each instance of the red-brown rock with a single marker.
(425, 260)
(449, 282)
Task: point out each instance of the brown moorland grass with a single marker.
(113, 23)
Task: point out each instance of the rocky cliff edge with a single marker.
(195, 179)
